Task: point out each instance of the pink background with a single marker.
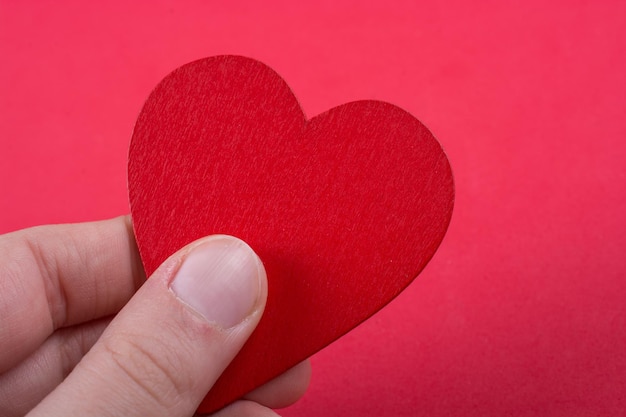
(523, 309)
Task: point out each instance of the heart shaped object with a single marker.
(345, 209)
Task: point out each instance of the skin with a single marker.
(83, 333)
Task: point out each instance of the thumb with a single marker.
(167, 347)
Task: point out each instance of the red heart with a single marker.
(344, 209)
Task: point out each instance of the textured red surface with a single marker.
(344, 209)
(521, 311)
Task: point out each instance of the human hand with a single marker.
(62, 353)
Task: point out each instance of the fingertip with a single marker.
(244, 408)
(285, 389)
(222, 279)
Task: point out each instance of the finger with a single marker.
(24, 386)
(285, 389)
(245, 408)
(166, 348)
(55, 276)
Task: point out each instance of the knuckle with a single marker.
(152, 369)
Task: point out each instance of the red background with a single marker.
(523, 309)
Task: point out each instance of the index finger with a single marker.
(57, 276)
